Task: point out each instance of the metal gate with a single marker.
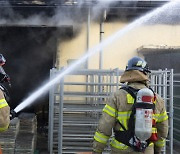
(76, 102)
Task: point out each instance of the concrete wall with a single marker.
(116, 54)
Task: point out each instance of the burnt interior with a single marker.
(29, 57)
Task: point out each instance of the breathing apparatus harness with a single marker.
(4, 78)
(5, 92)
(128, 136)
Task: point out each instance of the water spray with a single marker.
(91, 52)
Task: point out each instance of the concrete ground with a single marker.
(42, 143)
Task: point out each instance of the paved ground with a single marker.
(42, 144)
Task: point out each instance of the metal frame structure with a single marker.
(75, 106)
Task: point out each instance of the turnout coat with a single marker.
(119, 108)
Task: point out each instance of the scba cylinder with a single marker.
(144, 113)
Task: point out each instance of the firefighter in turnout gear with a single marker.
(119, 115)
(4, 97)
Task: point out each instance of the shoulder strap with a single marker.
(132, 91)
(5, 92)
(121, 125)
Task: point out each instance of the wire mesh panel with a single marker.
(76, 104)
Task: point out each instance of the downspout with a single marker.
(102, 19)
(88, 31)
(87, 45)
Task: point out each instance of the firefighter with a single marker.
(4, 113)
(117, 116)
(4, 97)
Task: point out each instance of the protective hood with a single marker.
(133, 76)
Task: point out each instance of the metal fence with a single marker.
(162, 83)
(76, 102)
(177, 109)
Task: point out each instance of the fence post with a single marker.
(171, 111)
(51, 114)
(60, 130)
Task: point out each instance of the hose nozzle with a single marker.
(13, 114)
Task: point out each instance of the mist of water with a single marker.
(142, 20)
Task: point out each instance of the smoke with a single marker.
(6, 14)
(69, 13)
(73, 12)
(99, 10)
(29, 53)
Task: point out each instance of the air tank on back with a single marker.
(144, 113)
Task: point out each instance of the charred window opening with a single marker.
(30, 53)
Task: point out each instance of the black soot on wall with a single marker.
(30, 54)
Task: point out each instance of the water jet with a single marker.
(138, 22)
